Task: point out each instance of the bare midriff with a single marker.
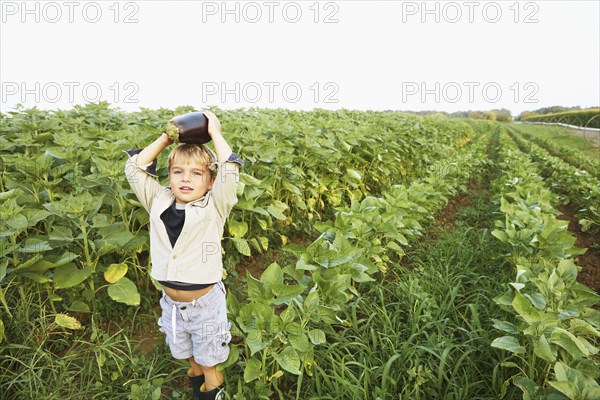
(186, 295)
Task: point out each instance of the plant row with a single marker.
(286, 312)
(576, 186)
(570, 155)
(552, 335)
(71, 224)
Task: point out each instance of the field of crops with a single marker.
(371, 255)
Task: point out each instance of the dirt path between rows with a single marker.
(590, 260)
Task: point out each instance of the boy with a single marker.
(186, 225)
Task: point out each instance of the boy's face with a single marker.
(189, 181)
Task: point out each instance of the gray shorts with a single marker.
(198, 328)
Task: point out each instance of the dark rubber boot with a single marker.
(196, 382)
(215, 394)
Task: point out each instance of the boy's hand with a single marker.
(214, 130)
(164, 137)
(214, 125)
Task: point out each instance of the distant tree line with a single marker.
(589, 118)
(502, 115)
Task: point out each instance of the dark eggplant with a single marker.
(189, 128)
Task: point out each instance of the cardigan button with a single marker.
(175, 256)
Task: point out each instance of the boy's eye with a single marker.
(198, 173)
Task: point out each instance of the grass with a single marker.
(102, 361)
(425, 332)
(564, 137)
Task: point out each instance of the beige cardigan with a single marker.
(196, 257)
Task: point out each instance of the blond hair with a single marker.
(186, 153)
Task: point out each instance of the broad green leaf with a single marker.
(588, 368)
(285, 293)
(299, 342)
(66, 257)
(255, 287)
(311, 302)
(501, 235)
(68, 275)
(79, 306)
(67, 321)
(124, 291)
(242, 246)
(565, 373)
(254, 245)
(272, 275)
(254, 340)
(569, 342)
(9, 193)
(117, 239)
(396, 247)
(276, 209)
(35, 276)
(288, 315)
(238, 228)
(505, 326)
(542, 349)
(289, 360)
(591, 392)
(537, 299)
(115, 272)
(233, 305)
(60, 234)
(569, 389)
(579, 326)
(524, 308)
(35, 216)
(567, 270)
(292, 188)
(528, 386)
(317, 336)
(264, 242)
(508, 343)
(252, 370)
(353, 174)
(263, 224)
(249, 179)
(234, 355)
(305, 263)
(35, 246)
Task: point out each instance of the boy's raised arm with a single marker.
(140, 168)
(224, 188)
(152, 151)
(222, 148)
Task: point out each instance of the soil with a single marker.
(590, 260)
(445, 220)
(447, 217)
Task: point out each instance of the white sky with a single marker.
(377, 55)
